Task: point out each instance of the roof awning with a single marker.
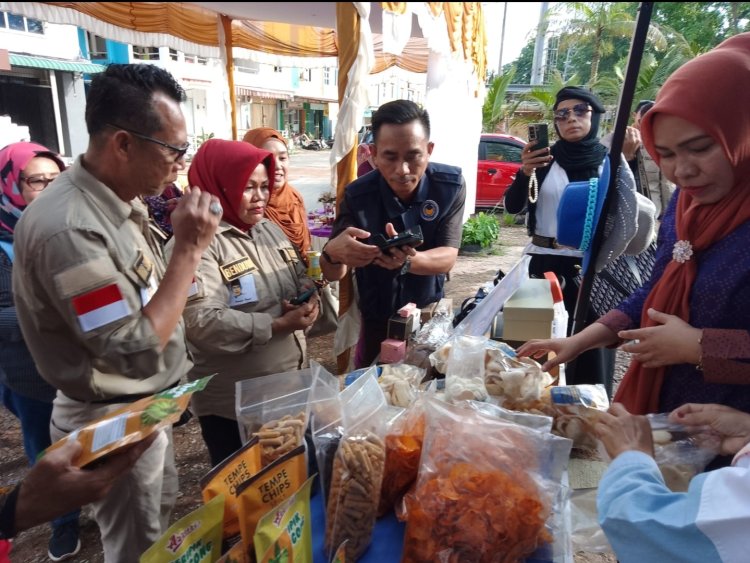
(264, 93)
(55, 64)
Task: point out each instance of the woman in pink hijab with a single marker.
(26, 169)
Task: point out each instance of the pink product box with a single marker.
(392, 351)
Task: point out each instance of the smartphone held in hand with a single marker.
(538, 135)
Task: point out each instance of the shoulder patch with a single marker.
(84, 277)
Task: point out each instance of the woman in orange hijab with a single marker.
(688, 327)
(286, 207)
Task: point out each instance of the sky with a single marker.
(521, 21)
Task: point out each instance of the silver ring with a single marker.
(216, 208)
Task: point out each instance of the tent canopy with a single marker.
(299, 29)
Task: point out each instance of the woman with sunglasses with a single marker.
(26, 169)
(577, 155)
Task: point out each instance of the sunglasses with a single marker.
(38, 183)
(579, 110)
(179, 152)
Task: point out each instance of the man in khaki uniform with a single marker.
(98, 307)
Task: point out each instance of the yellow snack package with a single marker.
(269, 488)
(284, 534)
(236, 554)
(194, 538)
(131, 423)
(225, 479)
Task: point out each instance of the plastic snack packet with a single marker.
(195, 537)
(227, 478)
(131, 423)
(285, 533)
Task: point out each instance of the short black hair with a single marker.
(123, 94)
(643, 106)
(399, 112)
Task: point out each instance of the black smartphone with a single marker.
(410, 237)
(303, 297)
(538, 135)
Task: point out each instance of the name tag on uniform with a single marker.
(149, 291)
(237, 268)
(242, 290)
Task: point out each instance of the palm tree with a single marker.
(597, 24)
(495, 108)
(654, 71)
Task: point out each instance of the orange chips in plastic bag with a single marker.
(481, 495)
(476, 516)
(403, 448)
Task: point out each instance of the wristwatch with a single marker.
(406, 267)
(327, 256)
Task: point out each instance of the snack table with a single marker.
(387, 537)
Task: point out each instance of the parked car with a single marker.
(499, 160)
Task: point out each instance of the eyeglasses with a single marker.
(579, 110)
(178, 151)
(38, 183)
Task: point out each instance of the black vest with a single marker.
(372, 204)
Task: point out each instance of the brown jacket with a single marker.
(234, 340)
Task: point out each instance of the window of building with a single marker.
(21, 23)
(173, 54)
(194, 59)
(306, 75)
(327, 75)
(145, 53)
(277, 69)
(97, 46)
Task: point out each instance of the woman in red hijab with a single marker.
(286, 207)
(688, 328)
(239, 320)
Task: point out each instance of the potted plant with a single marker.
(480, 232)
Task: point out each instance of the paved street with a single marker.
(310, 173)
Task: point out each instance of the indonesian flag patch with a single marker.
(100, 307)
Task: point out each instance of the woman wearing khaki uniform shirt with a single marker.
(238, 317)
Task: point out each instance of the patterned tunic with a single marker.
(720, 305)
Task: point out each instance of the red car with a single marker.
(499, 160)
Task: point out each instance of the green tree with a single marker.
(597, 24)
(495, 107)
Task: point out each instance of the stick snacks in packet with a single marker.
(284, 534)
(132, 423)
(195, 538)
(226, 479)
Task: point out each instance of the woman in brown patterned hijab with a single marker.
(286, 207)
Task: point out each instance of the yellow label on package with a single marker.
(273, 485)
(195, 538)
(131, 423)
(284, 534)
(227, 477)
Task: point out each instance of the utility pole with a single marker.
(537, 65)
(502, 40)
